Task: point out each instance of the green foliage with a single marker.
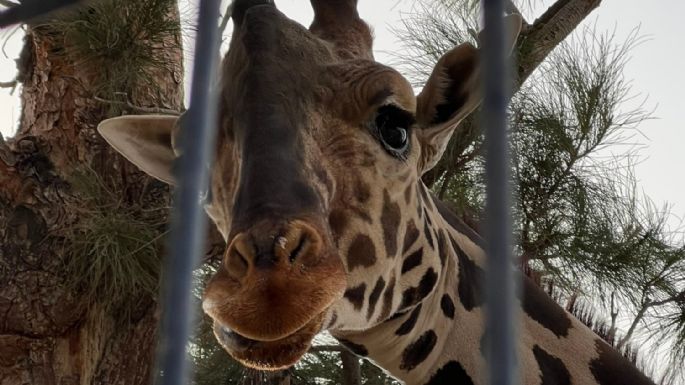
(113, 256)
(373, 375)
(561, 120)
(119, 44)
(319, 368)
(326, 368)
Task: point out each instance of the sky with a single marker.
(656, 69)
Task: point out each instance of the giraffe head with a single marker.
(316, 184)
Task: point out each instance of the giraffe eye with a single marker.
(392, 125)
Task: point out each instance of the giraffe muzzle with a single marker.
(270, 295)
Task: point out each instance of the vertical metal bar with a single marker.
(30, 9)
(501, 322)
(189, 224)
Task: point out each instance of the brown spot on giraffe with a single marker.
(471, 280)
(411, 235)
(611, 368)
(540, 307)
(390, 220)
(374, 296)
(447, 306)
(552, 369)
(451, 373)
(356, 296)
(362, 252)
(442, 246)
(337, 220)
(428, 233)
(414, 295)
(418, 351)
(408, 325)
(387, 299)
(413, 260)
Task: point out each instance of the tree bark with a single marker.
(50, 332)
(538, 40)
(352, 371)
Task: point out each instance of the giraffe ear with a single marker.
(451, 94)
(145, 140)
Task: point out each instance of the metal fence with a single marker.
(188, 229)
(500, 323)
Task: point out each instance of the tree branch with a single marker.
(640, 315)
(226, 18)
(550, 29)
(11, 84)
(352, 373)
(614, 314)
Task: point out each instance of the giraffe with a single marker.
(317, 190)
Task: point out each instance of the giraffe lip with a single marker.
(233, 340)
(268, 355)
(240, 342)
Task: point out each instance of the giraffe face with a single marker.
(316, 184)
(314, 158)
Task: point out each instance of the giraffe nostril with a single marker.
(300, 243)
(298, 249)
(259, 250)
(238, 265)
(238, 255)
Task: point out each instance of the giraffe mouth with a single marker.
(268, 355)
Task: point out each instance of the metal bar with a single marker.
(501, 321)
(30, 9)
(189, 223)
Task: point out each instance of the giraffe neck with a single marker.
(439, 341)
